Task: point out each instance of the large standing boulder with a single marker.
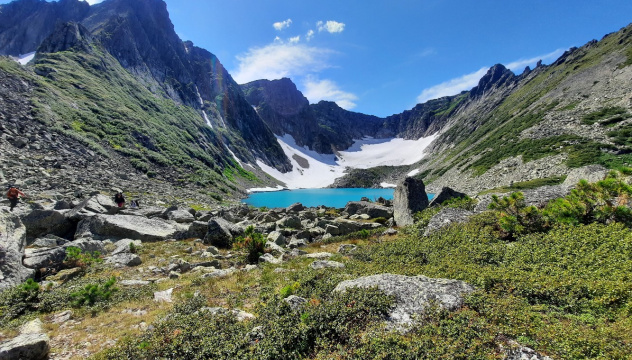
(125, 227)
(53, 257)
(44, 222)
(12, 244)
(413, 294)
(446, 194)
(410, 197)
(31, 344)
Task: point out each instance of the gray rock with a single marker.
(410, 197)
(413, 294)
(240, 315)
(347, 249)
(270, 259)
(163, 296)
(277, 238)
(125, 227)
(12, 244)
(43, 222)
(446, 217)
(514, 351)
(179, 215)
(326, 264)
(219, 233)
(124, 259)
(53, 258)
(290, 221)
(99, 204)
(390, 232)
(133, 282)
(31, 344)
(213, 250)
(591, 173)
(320, 255)
(123, 246)
(373, 210)
(297, 243)
(49, 241)
(296, 207)
(275, 249)
(295, 302)
(197, 229)
(61, 317)
(445, 194)
(217, 273)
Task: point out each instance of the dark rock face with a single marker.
(323, 127)
(445, 194)
(219, 233)
(496, 76)
(410, 197)
(67, 36)
(43, 222)
(25, 24)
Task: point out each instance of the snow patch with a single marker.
(235, 157)
(266, 189)
(413, 173)
(208, 121)
(324, 169)
(387, 185)
(24, 58)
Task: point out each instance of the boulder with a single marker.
(446, 217)
(125, 227)
(326, 264)
(277, 238)
(410, 197)
(99, 204)
(413, 294)
(12, 244)
(291, 221)
(163, 296)
(43, 222)
(124, 259)
(373, 210)
(296, 207)
(445, 194)
(179, 215)
(320, 255)
(295, 302)
(591, 173)
(124, 246)
(197, 230)
(346, 249)
(31, 344)
(219, 233)
(269, 258)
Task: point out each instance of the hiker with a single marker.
(13, 195)
(133, 204)
(119, 199)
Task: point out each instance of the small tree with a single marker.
(254, 243)
(94, 293)
(515, 217)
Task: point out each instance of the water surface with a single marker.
(314, 197)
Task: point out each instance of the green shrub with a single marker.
(514, 217)
(93, 293)
(75, 257)
(289, 290)
(253, 242)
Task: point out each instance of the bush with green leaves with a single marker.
(75, 257)
(254, 243)
(604, 201)
(93, 293)
(515, 217)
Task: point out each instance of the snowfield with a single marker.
(322, 170)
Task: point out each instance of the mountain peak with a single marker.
(496, 76)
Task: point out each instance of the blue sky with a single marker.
(383, 57)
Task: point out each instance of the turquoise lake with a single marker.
(314, 197)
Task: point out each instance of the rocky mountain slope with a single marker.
(123, 84)
(537, 125)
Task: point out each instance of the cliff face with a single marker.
(25, 24)
(141, 37)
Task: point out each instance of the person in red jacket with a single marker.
(13, 195)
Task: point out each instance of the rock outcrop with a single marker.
(12, 244)
(410, 197)
(124, 227)
(413, 294)
(31, 344)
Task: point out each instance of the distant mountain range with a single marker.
(116, 78)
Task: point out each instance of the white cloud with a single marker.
(92, 2)
(519, 65)
(295, 39)
(278, 60)
(310, 35)
(282, 24)
(330, 26)
(316, 90)
(452, 87)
